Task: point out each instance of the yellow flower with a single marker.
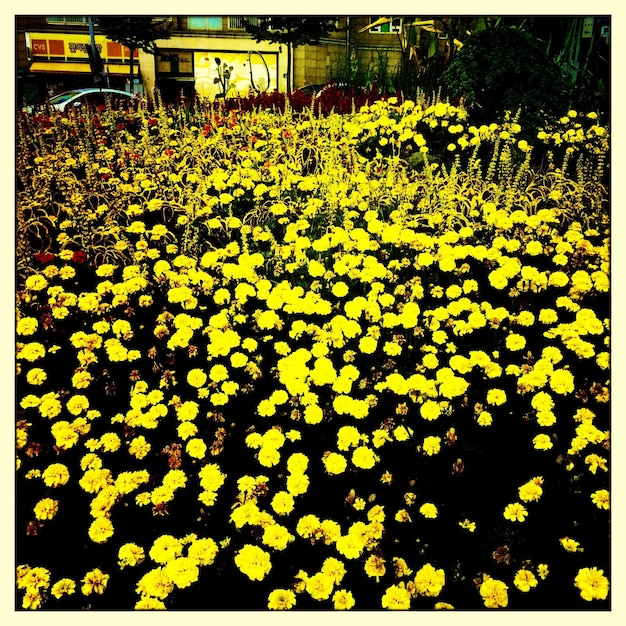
(542, 442)
(196, 448)
(36, 282)
(282, 503)
(429, 510)
(156, 584)
(297, 484)
(335, 463)
(494, 593)
(484, 418)
(165, 548)
(46, 509)
(429, 581)
(571, 545)
(276, 536)
(63, 587)
(468, 525)
(95, 581)
(601, 498)
(196, 377)
(320, 586)
(515, 512)
(55, 475)
(562, 381)
(253, 562)
(515, 342)
(27, 326)
(130, 554)
(525, 580)
(430, 410)
(496, 397)
(431, 445)
(532, 490)
(101, 530)
(364, 457)
(182, 571)
(592, 583)
(396, 597)
(203, 551)
(375, 567)
(343, 600)
(281, 600)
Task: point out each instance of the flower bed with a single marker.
(276, 360)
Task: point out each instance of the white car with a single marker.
(92, 97)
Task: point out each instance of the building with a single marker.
(53, 55)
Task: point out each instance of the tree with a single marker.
(504, 69)
(135, 32)
(292, 31)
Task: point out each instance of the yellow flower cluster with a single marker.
(353, 304)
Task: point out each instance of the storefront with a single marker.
(61, 61)
(197, 72)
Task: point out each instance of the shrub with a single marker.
(503, 69)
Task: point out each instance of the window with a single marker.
(204, 23)
(66, 19)
(236, 22)
(395, 26)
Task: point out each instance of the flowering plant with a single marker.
(268, 361)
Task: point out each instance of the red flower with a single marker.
(44, 257)
(79, 257)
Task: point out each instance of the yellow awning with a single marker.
(65, 67)
(120, 69)
(61, 67)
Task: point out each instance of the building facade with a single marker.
(52, 54)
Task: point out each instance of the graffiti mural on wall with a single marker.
(251, 71)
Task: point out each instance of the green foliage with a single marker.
(136, 32)
(294, 30)
(503, 69)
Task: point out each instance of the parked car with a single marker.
(91, 96)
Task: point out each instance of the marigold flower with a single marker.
(63, 587)
(101, 530)
(494, 593)
(542, 442)
(46, 509)
(95, 581)
(429, 581)
(281, 600)
(253, 562)
(396, 597)
(130, 554)
(593, 584)
(55, 475)
(335, 463)
(571, 545)
(601, 498)
(364, 457)
(343, 600)
(515, 512)
(429, 510)
(165, 548)
(282, 503)
(431, 445)
(525, 580)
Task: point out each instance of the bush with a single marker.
(503, 69)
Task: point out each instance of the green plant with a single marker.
(503, 69)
